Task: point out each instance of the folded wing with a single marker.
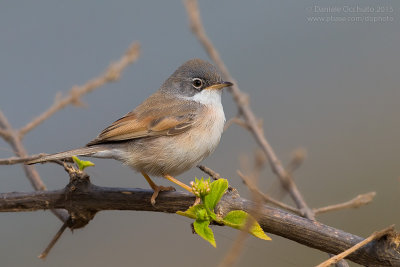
(151, 119)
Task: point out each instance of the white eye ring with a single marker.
(197, 83)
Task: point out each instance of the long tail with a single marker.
(84, 151)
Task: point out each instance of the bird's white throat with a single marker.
(207, 97)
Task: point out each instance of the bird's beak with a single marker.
(219, 86)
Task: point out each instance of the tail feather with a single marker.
(84, 151)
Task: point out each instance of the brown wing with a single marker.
(158, 115)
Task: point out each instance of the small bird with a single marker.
(170, 132)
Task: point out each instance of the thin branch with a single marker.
(18, 160)
(344, 254)
(54, 240)
(265, 197)
(113, 73)
(16, 144)
(5, 126)
(356, 202)
(209, 171)
(381, 252)
(4, 134)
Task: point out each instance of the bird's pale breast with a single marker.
(176, 154)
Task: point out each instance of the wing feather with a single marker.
(151, 118)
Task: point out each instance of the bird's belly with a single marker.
(176, 154)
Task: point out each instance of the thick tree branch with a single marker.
(376, 235)
(91, 199)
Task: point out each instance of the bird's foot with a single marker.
(157, 189)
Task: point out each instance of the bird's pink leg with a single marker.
(156, 188)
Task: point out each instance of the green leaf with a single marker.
(257, 231)
(238, 218)
(193, 211)
(202, 229)
(218, 189)
(82, 164)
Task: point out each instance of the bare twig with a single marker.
(4, 134)
(210, 172)
(265, 197)
(344, 254)
(53, 241)
(16, 143)
(113, 73)
(17, 160)
(356, 202)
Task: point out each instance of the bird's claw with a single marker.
(159, 189)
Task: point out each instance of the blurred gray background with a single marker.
(330, 87)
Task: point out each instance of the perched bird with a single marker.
(170, 132)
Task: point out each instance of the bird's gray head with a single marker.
(195, 77)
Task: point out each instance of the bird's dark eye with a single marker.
(197, 83)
